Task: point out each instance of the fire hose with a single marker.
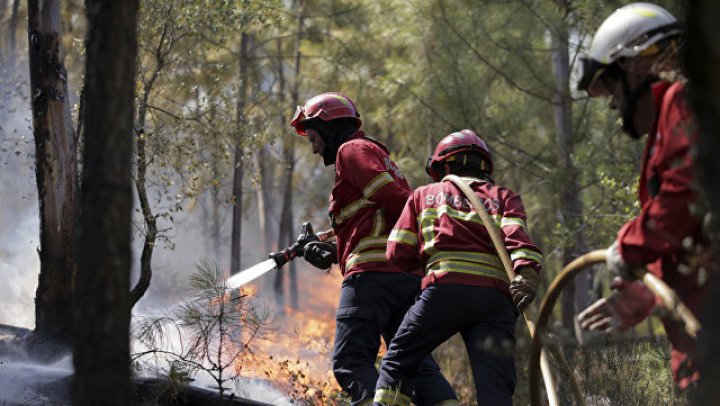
(507, 264)
(280, 258)
(669, 298)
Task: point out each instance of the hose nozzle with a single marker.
(298, 248)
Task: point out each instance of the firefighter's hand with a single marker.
(629, 305)
(616, 265)
(321, 254)
(523, 287)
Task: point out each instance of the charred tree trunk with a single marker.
(239, 171)
(576, 295)
(102, 316)
(56, 171)
(702, 60)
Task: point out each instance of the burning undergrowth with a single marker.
(231, 343)
(296, 357)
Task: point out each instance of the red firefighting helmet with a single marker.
(325, 106)
(455, 143)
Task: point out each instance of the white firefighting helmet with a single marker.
(628, 32)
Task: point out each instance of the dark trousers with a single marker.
(373, 304)
(485, 317)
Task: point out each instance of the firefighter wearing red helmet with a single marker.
(631, 49)
(465, 288)
(365, 202)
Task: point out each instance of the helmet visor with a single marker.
(589, 72)
(298, 120)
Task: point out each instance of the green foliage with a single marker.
(214, 331)
(633, 372)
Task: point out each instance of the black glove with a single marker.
(321, 254)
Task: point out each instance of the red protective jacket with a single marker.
(367, 198)
(440, 232)
(656, 237)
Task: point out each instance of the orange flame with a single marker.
(296, 358)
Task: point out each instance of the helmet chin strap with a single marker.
(631, 103)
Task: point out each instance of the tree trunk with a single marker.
(213, 208)
(55, 169)
(102, 316)
(149, 218)
(577, 294)
(264, 200)
(294, 296)
(239, 173)
(702, 60)
(287, 232)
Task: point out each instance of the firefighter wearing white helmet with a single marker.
(623, 52)
(631, 54)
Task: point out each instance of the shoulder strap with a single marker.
(505, 258)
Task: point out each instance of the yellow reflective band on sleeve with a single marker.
(391, 397)
(376, 183)
(527, 254)
(468, 256)
(467, 268)
(513, 221)
(403, 236)
(364, 257)
(350, 210)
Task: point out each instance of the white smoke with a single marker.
(19, 220)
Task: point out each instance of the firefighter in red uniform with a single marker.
(630, 50)
(465, 289)
(365, 202)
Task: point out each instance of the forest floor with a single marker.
(25, 380)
